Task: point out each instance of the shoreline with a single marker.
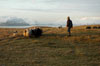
(25, 27)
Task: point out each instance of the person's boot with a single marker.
(69, 34)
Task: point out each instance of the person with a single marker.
(69, 25)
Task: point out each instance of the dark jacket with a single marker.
(69, 24)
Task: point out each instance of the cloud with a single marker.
(90, 18)
(44, 5)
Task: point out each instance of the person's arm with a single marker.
(72, 24)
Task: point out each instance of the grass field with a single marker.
(53, 48)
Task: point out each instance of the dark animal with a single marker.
(95, 27)
(36, 32)
(60, 27)
(99, 27)
(88, 27)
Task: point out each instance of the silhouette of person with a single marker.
(69, 25)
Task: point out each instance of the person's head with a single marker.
(68, 18)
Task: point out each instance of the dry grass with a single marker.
(54, 48)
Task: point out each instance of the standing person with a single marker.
(69, 25)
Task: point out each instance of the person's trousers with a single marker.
(69, 29)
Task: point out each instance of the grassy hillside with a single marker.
(54, 48)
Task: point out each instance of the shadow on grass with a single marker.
(53, 35)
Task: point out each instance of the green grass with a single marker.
(54, 48)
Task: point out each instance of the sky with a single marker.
(51, 11)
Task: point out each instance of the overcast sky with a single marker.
(54, 11)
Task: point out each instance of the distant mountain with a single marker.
(15, 22)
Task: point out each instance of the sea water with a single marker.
(15, 26)
(41, 25)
